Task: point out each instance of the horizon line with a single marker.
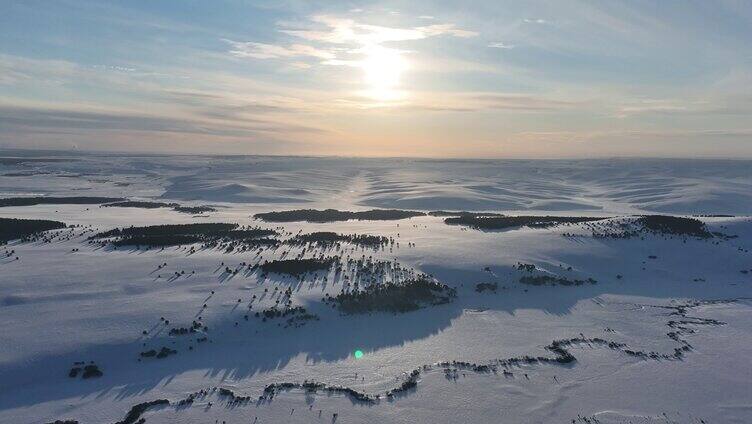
(95, 152)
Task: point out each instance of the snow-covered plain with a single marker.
(59, 306)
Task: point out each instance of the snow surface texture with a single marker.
(654, 296)
(623, 185)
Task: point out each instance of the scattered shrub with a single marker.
(481, 287)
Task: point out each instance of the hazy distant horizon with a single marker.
(9, 151)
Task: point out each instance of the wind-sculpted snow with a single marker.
(608, 185)
(590, 306)
(561, 356)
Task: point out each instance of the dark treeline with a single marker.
(333, 215)
(140, 204)
(169, 229)
(502, 222)
(213, 235)
(250, 233)
(463, 213)
(390, 297)
(298, 267)
(156, 205)
(539, 280)
(660, 225)
(12, 229)
(39, 200)
(674, 225)
(194, 209)
(134, 414)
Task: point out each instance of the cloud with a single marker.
(347, 31)
(522, 102)
(500, 45)
(30, 120)
(337, 39)
(475, 102)
(446, 29)
(708, 104)
(344, 30)
(652, 106)
(272, 51)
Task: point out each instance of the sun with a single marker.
(382, 69)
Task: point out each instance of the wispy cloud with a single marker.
(337, 39)
(338, 30)
(32, 119)
(273, 51)
(472, 102)
(500, 45)
(446, 29)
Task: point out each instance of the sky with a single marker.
(475, 79)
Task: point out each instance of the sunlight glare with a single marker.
(382, 68)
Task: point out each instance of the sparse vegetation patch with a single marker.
(162, 353)
(481, 287)
(133, 416)
(86, 371)
(296, 316)
(479, 222)
(328, 239)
